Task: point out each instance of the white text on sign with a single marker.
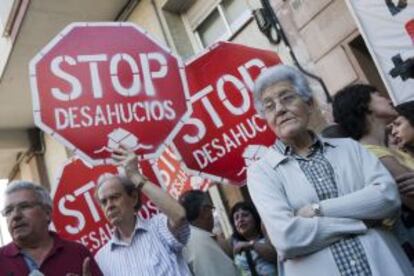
(94, 61)
(117, 113)
(236, 136)
(99, 235)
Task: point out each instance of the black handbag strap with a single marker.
(250, 262)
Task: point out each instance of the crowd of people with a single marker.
(336, 203)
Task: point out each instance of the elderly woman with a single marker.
(318, 197)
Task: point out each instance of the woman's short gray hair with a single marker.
(40, 192)
(278, 73)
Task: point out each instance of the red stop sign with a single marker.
(409, 27)
(76, 215)
(172, 175)
(224, 133)
(96, 85)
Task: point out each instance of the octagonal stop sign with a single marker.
(224, 134)
(76, 214)
(96, 85)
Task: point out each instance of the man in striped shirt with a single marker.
(140, 247)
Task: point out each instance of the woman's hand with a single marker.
(242, 245)
(405, 183)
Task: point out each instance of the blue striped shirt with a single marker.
(153, 250)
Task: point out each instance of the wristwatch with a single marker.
(316, 209)
(252, 243)
(141, 181)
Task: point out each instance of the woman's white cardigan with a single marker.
(366, 190)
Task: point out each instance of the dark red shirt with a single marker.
(64, 257)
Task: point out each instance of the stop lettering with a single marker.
(214, 142)
(97, 85)
(76, 214)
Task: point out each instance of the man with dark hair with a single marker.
(333, 131)
(140, 247)
(202, 253)
(35, 250)
(354, 104)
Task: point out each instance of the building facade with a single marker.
(322, 34)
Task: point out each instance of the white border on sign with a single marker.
(59, 173)
(190, 172)
(61, 168)
(58, 177)
(195, 98)
(62, 140)
(208, 49)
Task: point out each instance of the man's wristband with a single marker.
(141, 181)
(141, 184)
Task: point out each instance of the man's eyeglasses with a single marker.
(20, 207)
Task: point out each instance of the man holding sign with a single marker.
(148, 247)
